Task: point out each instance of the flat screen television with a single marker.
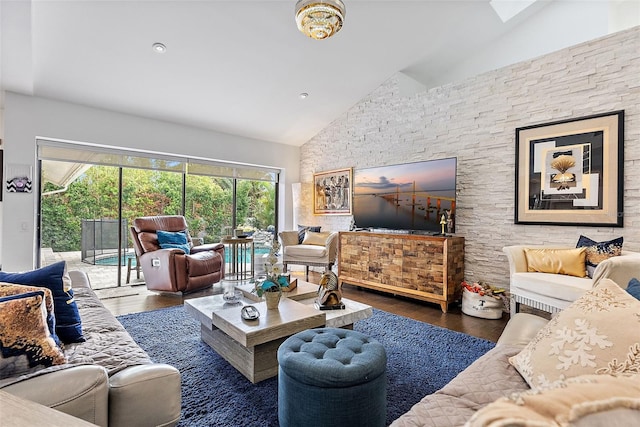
(408, 197)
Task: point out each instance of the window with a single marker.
(90, 196)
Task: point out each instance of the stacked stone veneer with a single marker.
(475, 121)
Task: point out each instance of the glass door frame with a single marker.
(121, 250)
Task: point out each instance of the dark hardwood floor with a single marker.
(454, 319)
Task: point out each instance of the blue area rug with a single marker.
(421, 359)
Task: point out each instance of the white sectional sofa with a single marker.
(109, 380)
(554, 292)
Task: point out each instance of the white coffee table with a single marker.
(345, 318)
(251, 346)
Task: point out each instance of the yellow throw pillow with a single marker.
(566, 403)
(599, 333)
(318, 239)
(570, 262)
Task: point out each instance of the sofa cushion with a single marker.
(564, 404)
(318, 239)
(596, 334)
(107, 343)
(174, 240)
(558, 286)
(305, 251)
(55, 278)
(558, 261)
(25, 342)
(203, 263)
(7, 289)
(599, 251)
(302, 229)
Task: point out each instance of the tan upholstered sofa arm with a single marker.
(81, 391)
(621, 269)
(521, 329)
(145, 395)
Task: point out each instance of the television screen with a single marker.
(410, 196)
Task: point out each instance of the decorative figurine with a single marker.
(443, 222)
(329, 292)
(450, 219)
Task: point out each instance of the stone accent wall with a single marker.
(475, 121)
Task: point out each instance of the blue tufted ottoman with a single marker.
(332, 377)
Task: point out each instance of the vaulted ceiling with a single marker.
(240, 66)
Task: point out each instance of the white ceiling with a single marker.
(239, 66)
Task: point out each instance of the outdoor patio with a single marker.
(101, 276)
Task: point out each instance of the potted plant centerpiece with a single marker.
(271, 286)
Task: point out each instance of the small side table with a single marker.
(241, 258)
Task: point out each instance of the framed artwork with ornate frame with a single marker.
(570, 172)
(332, 192)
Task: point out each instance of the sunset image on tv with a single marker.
(411, 196)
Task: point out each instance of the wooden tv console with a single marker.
(428, 268)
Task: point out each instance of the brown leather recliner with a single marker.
(172, 270)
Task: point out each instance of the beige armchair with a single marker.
(552, 292)
(316, 250)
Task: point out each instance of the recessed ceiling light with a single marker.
(159, 48)
(304, 95)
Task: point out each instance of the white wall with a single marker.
(475, 121)
(1, 169)
(26, 118)
(556, 26)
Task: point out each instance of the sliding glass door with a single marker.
(208, 206)
(87, 206)
(145, 193)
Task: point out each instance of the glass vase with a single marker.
(272, 299)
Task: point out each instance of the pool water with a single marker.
(113, 259)
(258, 252)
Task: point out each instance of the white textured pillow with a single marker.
(597, 334)
(318, 239)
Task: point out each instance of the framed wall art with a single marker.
(570, 172)
(19, 178)
(332, 192)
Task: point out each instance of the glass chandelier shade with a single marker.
(320, 19)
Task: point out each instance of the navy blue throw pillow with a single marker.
(634, 288)
(68, 323)
(174, 240)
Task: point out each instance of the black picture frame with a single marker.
(571, 172)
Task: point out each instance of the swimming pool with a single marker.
(113, 260)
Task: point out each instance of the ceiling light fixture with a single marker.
(159, 48)
(320, 19)
(304, 95)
